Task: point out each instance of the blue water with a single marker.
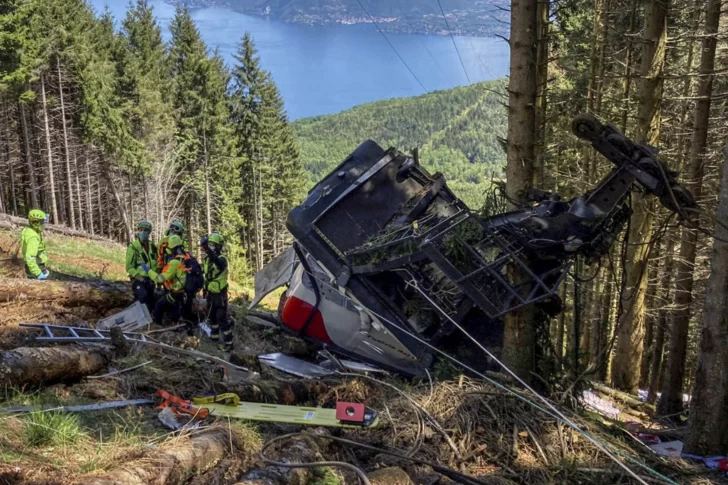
(321, 70)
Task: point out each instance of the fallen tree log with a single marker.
(13, 223)
(100, 294)
(31, 366)
(173, 464)
(622, 397)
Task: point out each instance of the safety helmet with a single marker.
(144, 226)
(36, 215)
(216, 238)
(174, 242)
(177, 227)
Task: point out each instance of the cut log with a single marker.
(289, 393)
(14, 223)
(175, 464)
(28, 366)
(102, 295)
(623, 397)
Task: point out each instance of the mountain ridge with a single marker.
(458, 132)
(478, 17)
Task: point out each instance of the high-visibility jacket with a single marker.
(173, 275)
(137, 254)
(33, 249)
(162, 256)
(215, 268)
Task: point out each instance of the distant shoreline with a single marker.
(426, 25)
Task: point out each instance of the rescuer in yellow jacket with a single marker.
(142, 251)
(175, 228)
(32, 246)
(215, 269)
(173, 278)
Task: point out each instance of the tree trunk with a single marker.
(650, 319)
(661, 324)
(51, 177)
(26, 366)
(101, 208)
(89, 203)
(79, 204)
(13, 196)
(176, 463)
(605, 330)
(33, 196)
(519, 338)
(672, 392)
(69, 180)
(119, 204)
(709, 408)
(542, 77)
(561, 326)
(627, 85)
(626, 368)
(99, 294)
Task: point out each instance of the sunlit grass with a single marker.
(51, 428)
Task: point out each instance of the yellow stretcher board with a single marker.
(278, 413)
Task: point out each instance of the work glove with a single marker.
(44, 275)
(145, 267)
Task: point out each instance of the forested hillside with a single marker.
(457, 131)
(465, 17)
(657, 71)
(103, 128)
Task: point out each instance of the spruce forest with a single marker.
(103, 128)
(103, 124)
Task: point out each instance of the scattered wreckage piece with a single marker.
(294, 366)
(130, 319)
(30, 366)
(81, 408)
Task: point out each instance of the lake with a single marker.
(327, 69)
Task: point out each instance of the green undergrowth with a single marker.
(82, 442)
(326, 476)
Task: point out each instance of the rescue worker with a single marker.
(215, 269)
(173, 277)
(33, 247)
(142, 251)
(175, 228)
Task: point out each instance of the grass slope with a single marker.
(457, 131)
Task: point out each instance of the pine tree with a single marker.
(271, 171)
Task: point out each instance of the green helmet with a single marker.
(36, 215)
(176, 228)
(216, 238)
(144, 226)
(174, 242)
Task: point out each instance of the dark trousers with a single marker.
(187, 313)
(217, 307)
(144, 292)
(170, 305)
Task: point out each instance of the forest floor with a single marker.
(465, 424)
